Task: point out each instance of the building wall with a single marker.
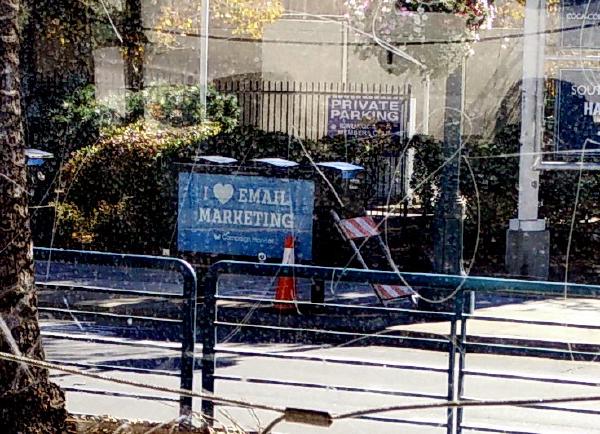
(494, 68)
(315, 51)
(303, 49)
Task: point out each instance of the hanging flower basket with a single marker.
(429, 37)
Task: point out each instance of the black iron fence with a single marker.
(301, 109)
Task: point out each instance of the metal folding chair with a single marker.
(364, 227)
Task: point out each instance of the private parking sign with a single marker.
(364, 116)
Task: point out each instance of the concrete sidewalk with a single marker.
(570, 324)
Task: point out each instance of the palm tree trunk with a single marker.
(29, 403)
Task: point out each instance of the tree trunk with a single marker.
(29, 403)
(134, 50)
(134, 40)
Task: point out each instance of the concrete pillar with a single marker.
(528, 240)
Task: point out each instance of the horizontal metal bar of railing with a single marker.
(165, 264)
(441, 281)
(552, 380)
(329, 387)
(547, 407)
(82, 337)
(103, 366)
(533, 351)
(530, 322)
(103, 289)
(109, 315)
(115, 259)
(300, 303)
(356, 335)
(118, 394)
(326, 359)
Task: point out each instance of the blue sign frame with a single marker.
(244, 215)
(582, 19)
(577, 110)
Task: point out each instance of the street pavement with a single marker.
(346, 375)
(341, 387)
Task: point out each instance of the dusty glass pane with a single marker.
(299, 216)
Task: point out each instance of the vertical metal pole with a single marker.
(317, 292)
(408, 155)
(426, 97)
(188, 339)
(448, 222)
(270, 114)
(528, 242)
(204, 23)
(448, 234)
(209, 337)
(451, 376)
(462, 354)
(133, 36)
(454, 392)
(344, 52)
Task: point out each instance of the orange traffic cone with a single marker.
(286, 285)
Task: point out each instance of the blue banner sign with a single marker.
(579, 23)
(577, 110)
(364, 116)
(244, 215)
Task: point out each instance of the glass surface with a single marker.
(452, 146)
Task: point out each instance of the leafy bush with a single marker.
(62, 125)
(180, 106)
(78, 119)
(246, 143)
(495, 166)
(428, 157)
(71, 228)
(120, 194)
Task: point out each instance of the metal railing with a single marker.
(187, 297)
(211, 322)
(457, 343)
(248, 312)
(532, 345)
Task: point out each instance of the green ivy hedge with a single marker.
(494, 166)
(120, 194)
(179, 105)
